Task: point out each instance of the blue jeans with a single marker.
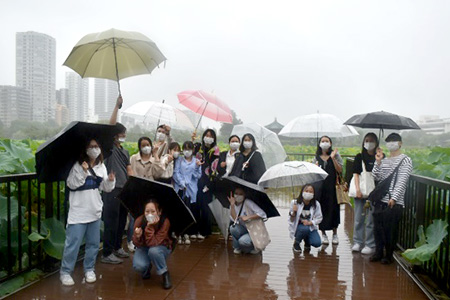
(304, 232)
(363, 225)
(241, 238)
(74, 237)
(145, 257)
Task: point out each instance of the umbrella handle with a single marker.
(117, 69)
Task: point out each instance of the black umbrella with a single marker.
(382, 120)
(138, 190)
(56, 157)
(253, 192)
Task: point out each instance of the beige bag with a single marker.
(258, 233)
(342, 190)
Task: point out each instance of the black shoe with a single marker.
(167, 284)
(297, 247)
(387, 261)
(147, 273)
(375, 258)
(307, 246)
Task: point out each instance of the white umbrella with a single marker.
(292, 173)
(316, 125)
(266, 140)
(222, 216)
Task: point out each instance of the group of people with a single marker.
(193, 169)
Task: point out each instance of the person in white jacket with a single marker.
(305, 216)
(86, 179)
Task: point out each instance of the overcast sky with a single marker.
(265, 59)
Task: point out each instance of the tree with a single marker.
(226, 129)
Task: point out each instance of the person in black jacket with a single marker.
(227, 158)
(249, 165)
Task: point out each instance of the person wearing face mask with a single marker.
(329, 160)
(86, 179)
(249, 165)
(186, 174)
(227, 158)
(363, 220)
(388, 212)
(168, 162)
(243, 210)
(114, 213)
(305, 216)
(163, 139)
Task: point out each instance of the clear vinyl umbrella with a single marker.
(222, 216)
(267, 142)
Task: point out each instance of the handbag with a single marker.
(341, 190)
(382, 187)
(258, 233)
(366, 183)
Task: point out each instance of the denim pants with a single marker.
(146, 257)
(241, 238)
(304, 232)
(363, 225)
(74, 237)
(114, 218)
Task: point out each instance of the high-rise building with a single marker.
(15, 104)
(36, 72)
(62, 96)
(61, 115)
(105, 98)
(78, 96)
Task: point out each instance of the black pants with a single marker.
(114, 218)
(194, 208)
(386, 227)
(205, 214)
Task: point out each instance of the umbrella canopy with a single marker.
(266, 140)
(56, 157)
(207, 105)
(292, 173)
(382, 120)
(316, 125)
(222, 216)
(138, 190)
(253, 192)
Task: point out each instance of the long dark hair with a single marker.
(319, 150)
(229, 139)
(241, 147)
(377, 142)
(300, 197)
(85, 157)
(162, 218)
(213, 133)
(144, 138)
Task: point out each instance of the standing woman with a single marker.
(168, 162)
(209, 152)
(227, 158)
(329, 160)
(85, 181)
(364, 221)
(249, 165)
(162, 140)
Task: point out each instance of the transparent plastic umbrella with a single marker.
(222, 216)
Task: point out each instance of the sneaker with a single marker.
(131, 246)
(237, 251)
(200, 237)
(307, 246)
(186, 240)
(335, 240)
(376, 257)
(193, 237)
(90, 277)
(367, 250)
(296, 247)
(180, 240)
(255, 251)
(111, 259)
(357, 247)
(121, 253)
(325, 240)
(66, 280)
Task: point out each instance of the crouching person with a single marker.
(305, 216)
(151, 237)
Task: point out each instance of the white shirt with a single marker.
(230, 162)
(316, 217)
(86, 206)
(250, 209)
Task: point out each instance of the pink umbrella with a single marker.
(207, 105)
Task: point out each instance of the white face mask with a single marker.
(239, 198)
(187, 153)
(146, 149)
(234, 146)
(369, 146)
(325, 145)
(247, 144)
(393, 146)
(93, 153)
(176, 154)
(307, 196)
(150, 218)
(121, 140)
(208, 140)
(160, 136)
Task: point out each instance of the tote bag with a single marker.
(366, 183)
(258, 233)
(341, 190)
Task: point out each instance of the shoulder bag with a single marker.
(366, 183)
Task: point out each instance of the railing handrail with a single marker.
(431, 181)
(17, 177)
(313, 154)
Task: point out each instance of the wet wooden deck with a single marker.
(210, 270)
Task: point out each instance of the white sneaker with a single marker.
(90, 277)
(131, 246)
(325, 240)
(237, 251)
(66, 280)
(254, 251)
(186, 240)
(367, 250)
(357, 248)
(180, 240)
(200, 237)
(193, 237)
(335, 240)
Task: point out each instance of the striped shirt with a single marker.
(398, 188)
